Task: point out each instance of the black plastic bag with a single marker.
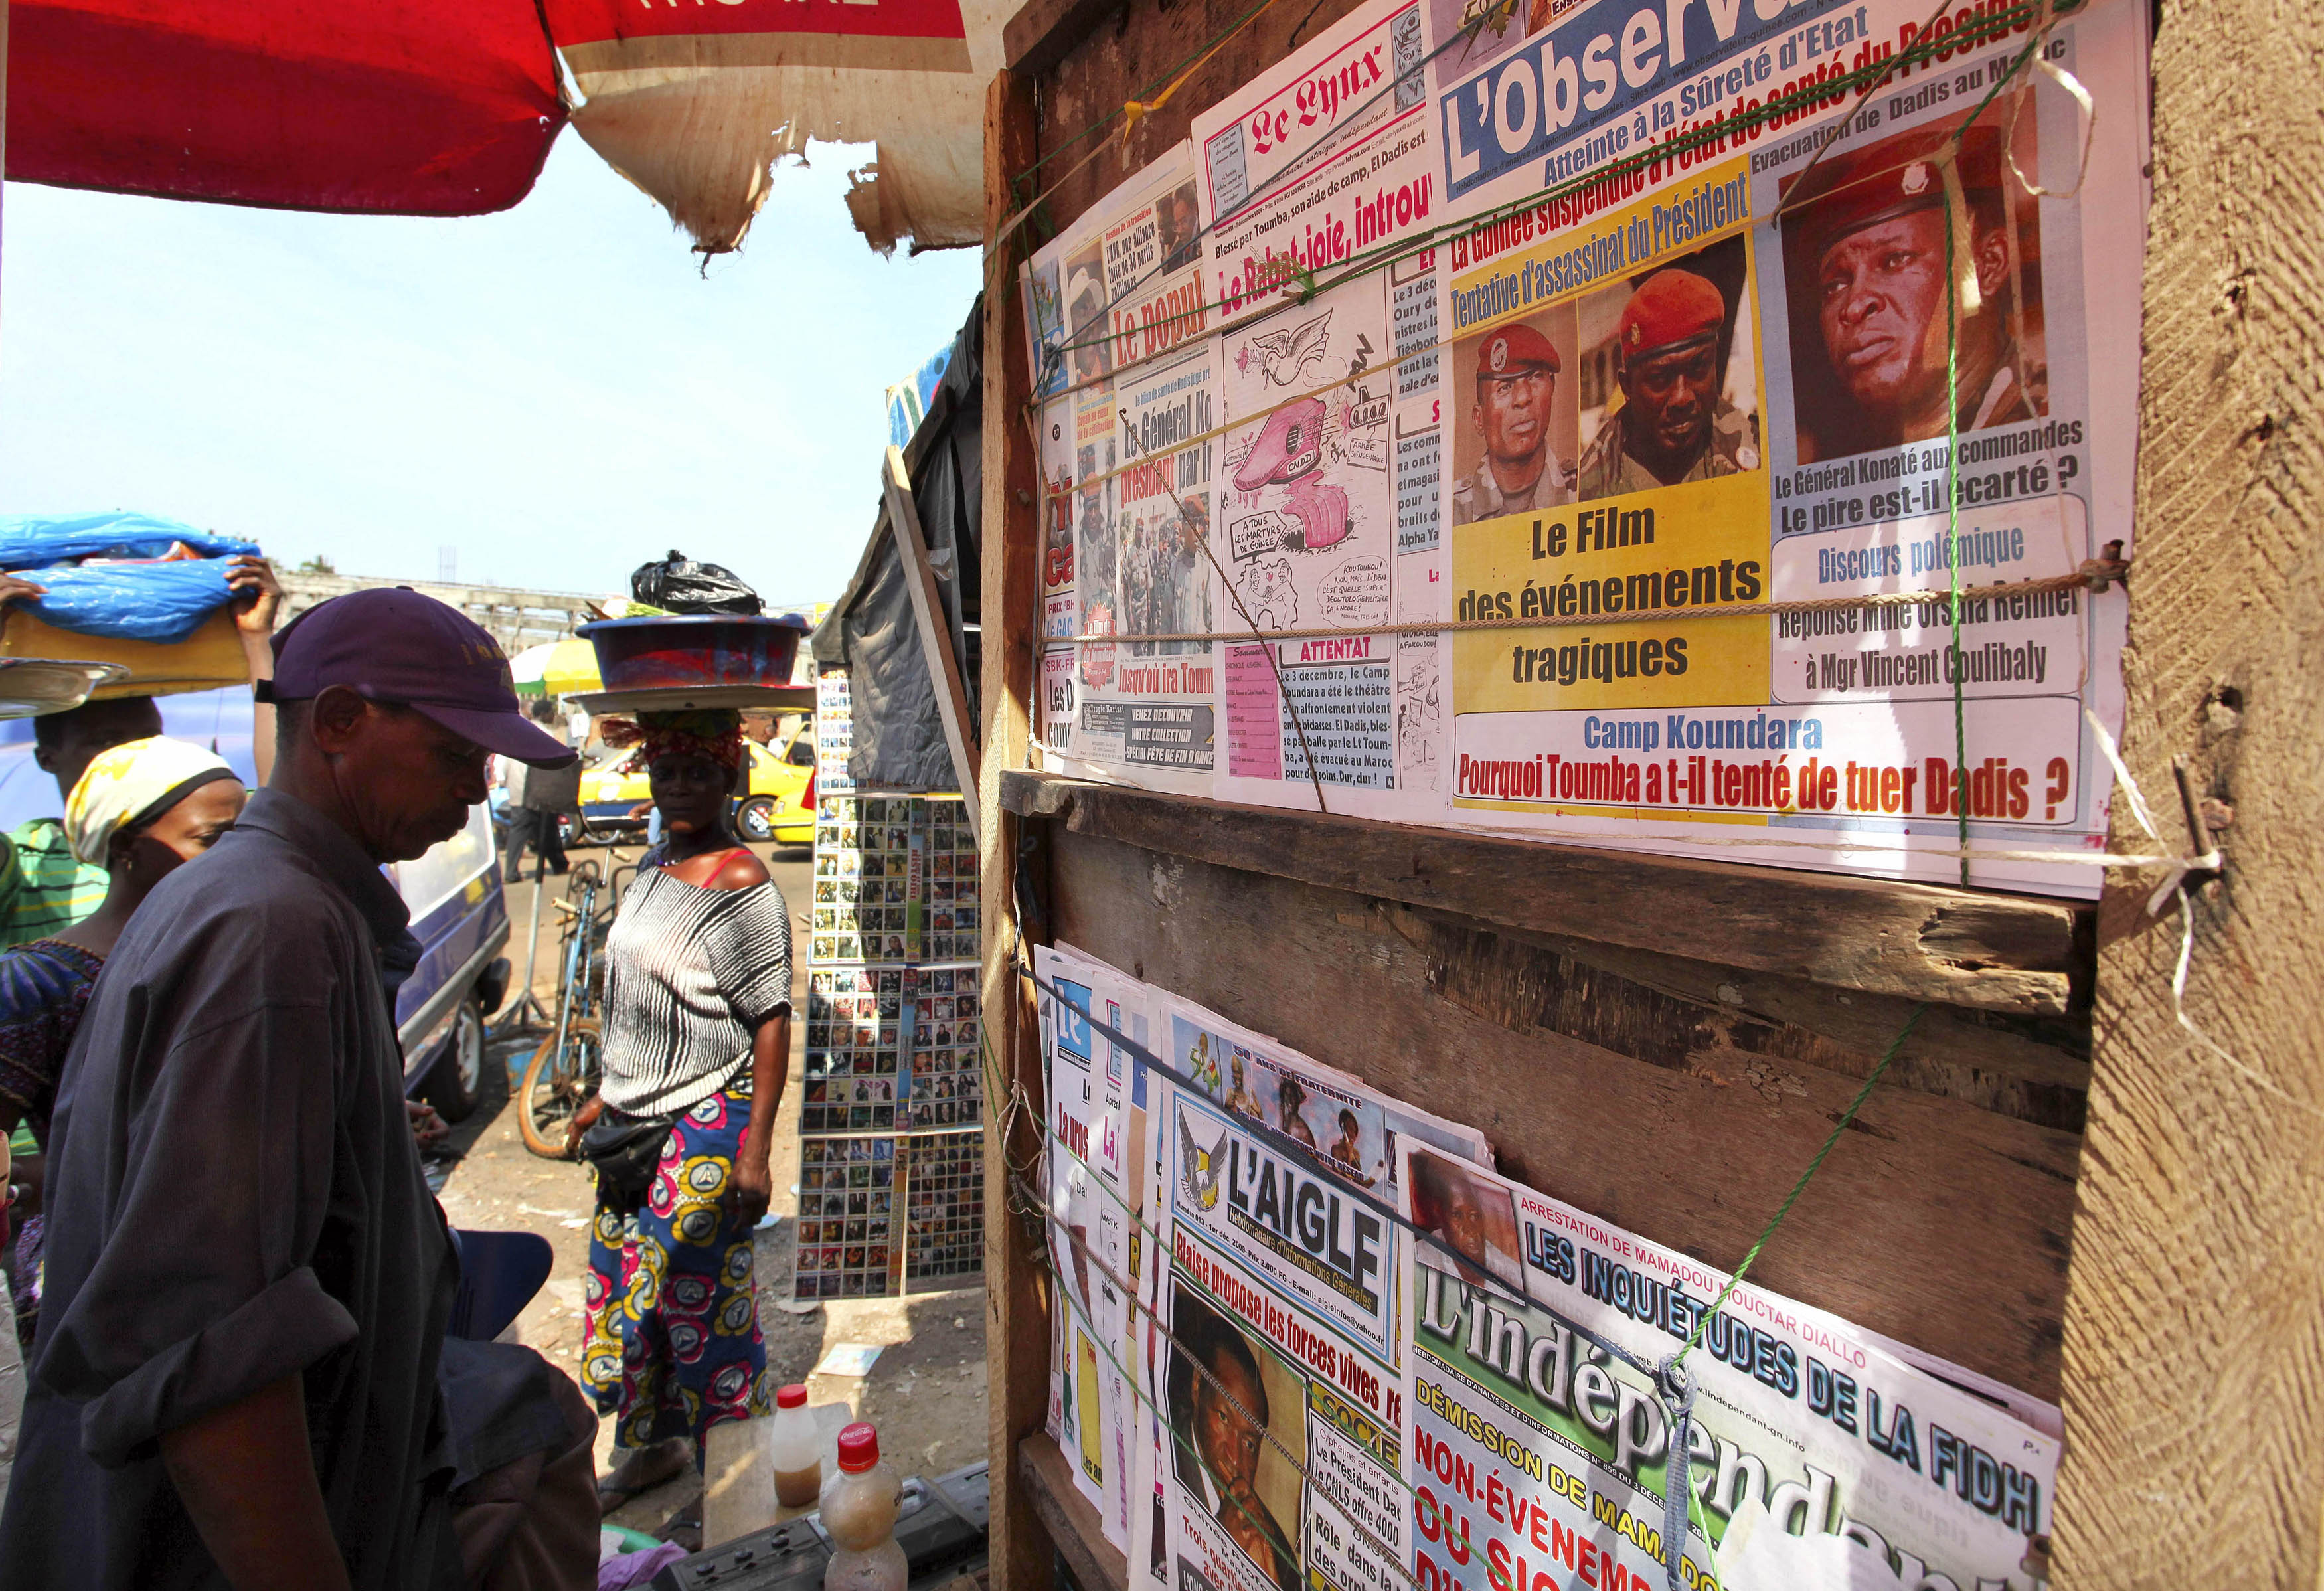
(680, 585)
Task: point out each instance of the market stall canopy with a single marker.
(555, 668)
(695, 102)
(395, 106)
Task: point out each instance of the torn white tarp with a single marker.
(695, 102)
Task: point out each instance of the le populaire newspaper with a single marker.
(1536, 321)
(1279, 1287)
(1818, 1458)
(1125, 553)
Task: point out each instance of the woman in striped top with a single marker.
(697, 1026)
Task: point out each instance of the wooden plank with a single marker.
(1993, 952)
(1072, 1525)
(1935, 1222)
(1017, 1318)
(1043, 31)
(935, 631)
(2195, 1319)
(2035, 1069)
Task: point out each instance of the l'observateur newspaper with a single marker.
(1322, 1344)
(1469, 316)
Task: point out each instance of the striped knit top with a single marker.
(690, 973)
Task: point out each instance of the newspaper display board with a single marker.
(1330, 491)
(1280, 1277)
(1449, 1425)
(1820, 1459)
(1649, 395)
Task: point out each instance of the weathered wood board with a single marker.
(1016, 1317)
(1988, 952)
(2194, 1332)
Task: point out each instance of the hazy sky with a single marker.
(556, 391)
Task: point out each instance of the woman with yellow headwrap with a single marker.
(141, 811)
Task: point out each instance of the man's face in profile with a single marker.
(1881, 294)
(1674, 392)
(1512, 412)
(1182, 211)
(1228, 1442)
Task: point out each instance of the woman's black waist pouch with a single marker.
(624, 1150)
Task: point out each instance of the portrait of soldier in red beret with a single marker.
(1675, 421)
(1864, 263)
(1514, 371)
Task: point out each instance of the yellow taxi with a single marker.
(780, 805)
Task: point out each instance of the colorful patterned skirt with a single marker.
(672, 1343)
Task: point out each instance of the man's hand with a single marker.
(258, 596)
(426, 1127)
(13, 587)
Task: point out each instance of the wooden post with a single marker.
(2194, 1329)
(936, 634)
(1017, 1320)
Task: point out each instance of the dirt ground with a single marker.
(926, 1392)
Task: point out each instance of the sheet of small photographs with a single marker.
(847, 1216)
(944, 1217)
(891, 1049)
(893, 1088)
(834, 733)
(895, 880)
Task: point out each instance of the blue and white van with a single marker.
(459, 912)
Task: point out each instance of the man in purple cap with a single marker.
(235, 1380)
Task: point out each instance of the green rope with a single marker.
(1702, 1317)
(1952, 516)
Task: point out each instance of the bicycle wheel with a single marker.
(557, 1084)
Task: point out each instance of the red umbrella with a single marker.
(421, 107)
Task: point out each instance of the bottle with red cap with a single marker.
(793, 1450)
(860, 1506)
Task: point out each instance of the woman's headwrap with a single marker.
(716, 733)
(129, 786)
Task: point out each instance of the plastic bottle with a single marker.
(795, 1452)
(860, 1504)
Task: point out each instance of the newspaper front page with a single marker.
(1818, 1457)
(1742, 345)
(1329, 491)
(1273, 1418)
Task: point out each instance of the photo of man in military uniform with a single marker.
(1864, 254)
(1675, 422)
(1515, 387)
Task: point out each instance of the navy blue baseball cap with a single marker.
(398, 646)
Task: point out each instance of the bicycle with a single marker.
(564, 1073)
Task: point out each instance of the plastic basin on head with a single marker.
(693, 650)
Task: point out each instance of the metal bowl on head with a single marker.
(31, 687)
(693, 652)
